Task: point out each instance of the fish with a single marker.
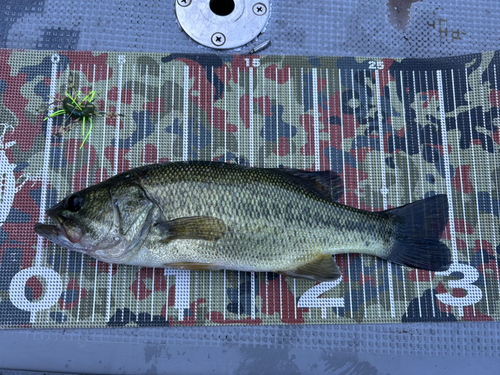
(200, 215)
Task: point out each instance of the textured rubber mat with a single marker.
(396, 130)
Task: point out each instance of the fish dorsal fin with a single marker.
(328, 184)
(196, 228)
(322, 268)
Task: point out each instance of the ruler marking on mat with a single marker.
(496, 170)
(418, 143)
(490, 191)
(479, 226)
(427, 173)
(121, 62)
(185, 118)
(384, 189)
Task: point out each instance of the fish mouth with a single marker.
(66, 232)
(49, 231)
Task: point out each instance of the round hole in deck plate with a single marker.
(222, 7)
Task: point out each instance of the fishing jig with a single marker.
(77, 111)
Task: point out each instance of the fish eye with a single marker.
(74, 203)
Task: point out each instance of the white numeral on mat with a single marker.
(470, 275)
(311, 298)
(376, 65)
(252, 62)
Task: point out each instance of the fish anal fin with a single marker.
(322, 268)
(196, 227)
(193, 266)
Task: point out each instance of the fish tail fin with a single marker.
(417, 229)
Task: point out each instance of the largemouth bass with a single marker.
(211, 216)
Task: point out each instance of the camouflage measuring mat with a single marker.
(396, 130)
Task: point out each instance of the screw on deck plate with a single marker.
(259, 9)
(184, 3)
(218, 39)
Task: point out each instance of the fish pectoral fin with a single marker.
(194, 266)
(323, 268)
(196, 228)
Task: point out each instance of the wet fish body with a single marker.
(210, 216)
